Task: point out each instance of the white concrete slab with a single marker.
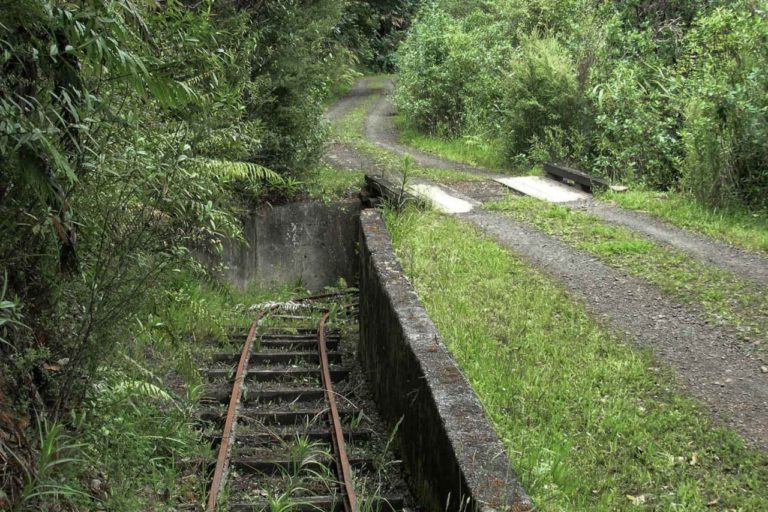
(440, 199)
(544, 189)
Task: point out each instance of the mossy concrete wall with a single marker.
(310, 242)
(454, 459)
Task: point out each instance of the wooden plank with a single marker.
(586, 181)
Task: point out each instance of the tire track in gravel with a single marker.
(743, 263)
(380, 129)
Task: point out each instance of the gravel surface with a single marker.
(714, 364)
(356, 95)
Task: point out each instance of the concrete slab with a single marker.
(544, 189)
(440, 199)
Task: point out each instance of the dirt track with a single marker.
(712, 362)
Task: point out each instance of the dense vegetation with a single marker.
(130, 133)
(671, 94)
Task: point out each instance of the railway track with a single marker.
(291, 420)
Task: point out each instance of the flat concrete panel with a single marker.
(310, 243)
(544, 189)
(440, 199)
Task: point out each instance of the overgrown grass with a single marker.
(589, 423)
(349, 129)
(735, 226)
(725, 297)
(135, 434)
(327, 183)
(470, 149)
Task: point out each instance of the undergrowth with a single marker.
(589, 422)
(132, 444)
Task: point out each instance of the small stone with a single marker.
(764, 369)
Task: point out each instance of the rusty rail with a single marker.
(344, 473)
(227, 437)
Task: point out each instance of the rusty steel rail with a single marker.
(227, 437)
(325, 296)
(344, 473)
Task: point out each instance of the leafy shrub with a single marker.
(634, 132)
(432, 76)
(541, 94)
(726, 114)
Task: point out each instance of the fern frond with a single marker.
(227, 170)
(140, 388)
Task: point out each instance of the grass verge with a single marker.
(725, 297)
(469, 149)
(738, 227)
(328, 184)
(590, 423)
(349, 130)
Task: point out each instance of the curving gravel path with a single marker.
(380, 130)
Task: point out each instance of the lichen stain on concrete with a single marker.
(311, 242)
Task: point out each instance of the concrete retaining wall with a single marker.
(312, 242)
(454, 458)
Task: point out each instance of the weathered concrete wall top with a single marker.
(454, 457)
(310, 242)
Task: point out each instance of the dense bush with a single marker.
(668, 93)
(541, 96)
(431, 75)
(130, 132)
(726, 110)
(373, 29)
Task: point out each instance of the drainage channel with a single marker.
(291, 418)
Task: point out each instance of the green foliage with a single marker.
(130, 133)
(542, 97)
(431, 86)
(372, 30)
(726, 112)
(670, 94)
